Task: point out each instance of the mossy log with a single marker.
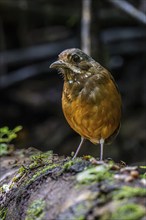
(44, 186)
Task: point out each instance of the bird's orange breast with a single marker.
(95, 116)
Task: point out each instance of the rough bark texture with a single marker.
(43, 186)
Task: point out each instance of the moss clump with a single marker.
(40, 172)
(3, 213)
(143, 175)
(143, 167)
(41, 163)
(94, 174)
(68, 164)
(4, 149)
(6, 136)
(129, 211)
(128, 192)
(40, 159)
(36, 210)
(21, 172)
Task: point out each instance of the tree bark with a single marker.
(44, 186)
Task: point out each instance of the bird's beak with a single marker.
(57, 64)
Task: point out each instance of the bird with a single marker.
(91, 100)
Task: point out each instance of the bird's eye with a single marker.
(75, 58)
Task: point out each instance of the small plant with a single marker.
(6, 136)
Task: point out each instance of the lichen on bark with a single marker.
(42, 186)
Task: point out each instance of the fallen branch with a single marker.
(44, 186)
(130, 9)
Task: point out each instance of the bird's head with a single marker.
(75, 65)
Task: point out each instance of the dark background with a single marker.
(32, 34)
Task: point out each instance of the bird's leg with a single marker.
(77, 151)
(101, 148)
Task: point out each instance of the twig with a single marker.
(85, 26)
(130, 9)
(36, 53)
(23, 74)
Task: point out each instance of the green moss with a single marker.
(80, 218)
(143, 176)
(22, 170)
(7, 135)
(3, 213)
(4, 149)
(68, 164)
(41, 163)
(128, 192)
(36, 210)
(94, 174)
(143, 167)
(40, 159)
(40, 172)
(129, 211)
(81, 209)
(42, 156)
